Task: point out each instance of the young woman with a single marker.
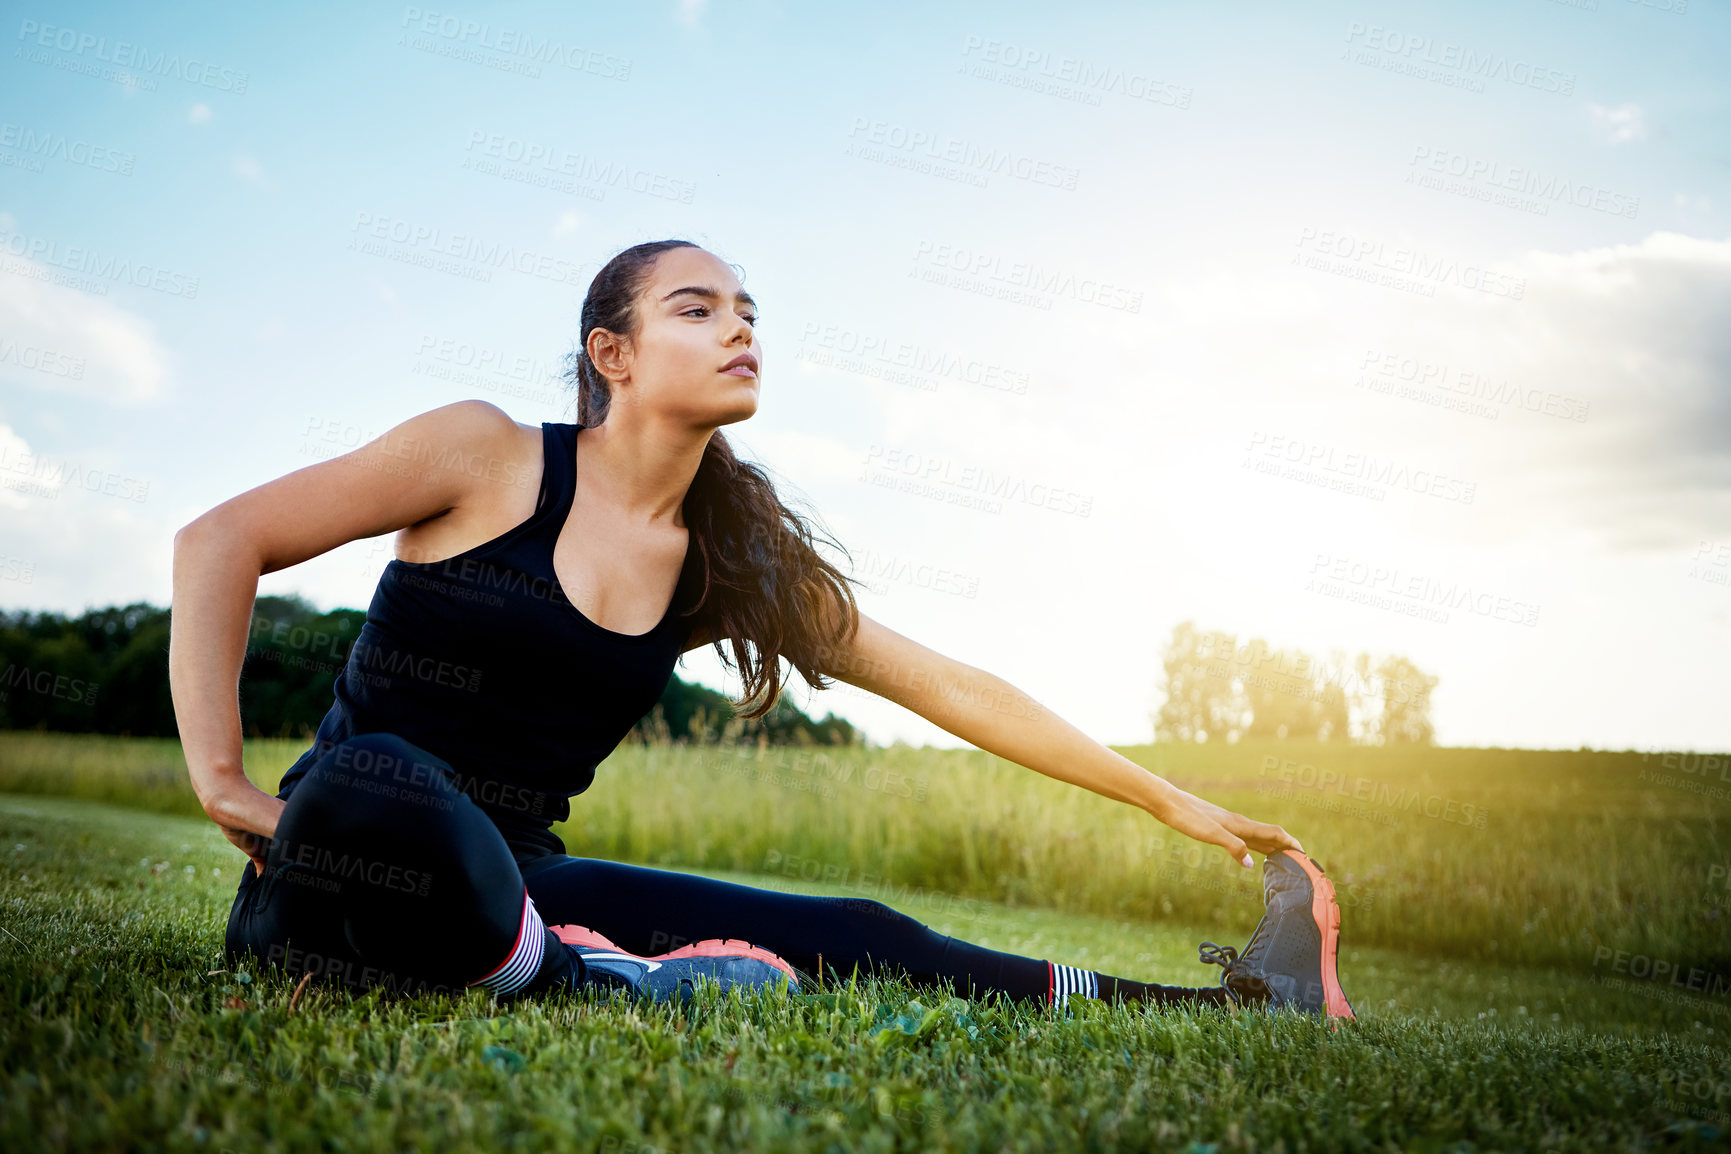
(546, 582)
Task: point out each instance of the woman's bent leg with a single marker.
(382, 872)
(650, 911)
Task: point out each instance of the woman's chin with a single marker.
(739, 405)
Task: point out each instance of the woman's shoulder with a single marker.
(481, 427)
(481, 419)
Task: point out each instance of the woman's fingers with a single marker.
(1233, 832)
(1263, 837)
(249, 843)
(1192, 820)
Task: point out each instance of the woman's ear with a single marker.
(610, 353)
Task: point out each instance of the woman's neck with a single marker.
(641, 468)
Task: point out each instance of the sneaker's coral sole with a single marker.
(733, 947)
(1327, 914)
(708, 948)
(585, 937)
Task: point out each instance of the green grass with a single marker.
(116, 1034)
(1534, 858)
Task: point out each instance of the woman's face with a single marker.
(694, 319)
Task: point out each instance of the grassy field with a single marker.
(1504, 976)
(1546, 858)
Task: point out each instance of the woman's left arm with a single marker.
(994, 715)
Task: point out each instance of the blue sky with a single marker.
(1078, 322)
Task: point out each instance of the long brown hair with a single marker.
(764, 588)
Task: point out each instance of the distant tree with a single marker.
(1219, 690)
(696, 714)
(1406, 698)
(106, 671)
(1289, 695)
(1202, 701)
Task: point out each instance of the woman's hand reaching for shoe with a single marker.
(1217, 825)
(989, 712)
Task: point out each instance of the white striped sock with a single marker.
(1067, 980)
(516, 971)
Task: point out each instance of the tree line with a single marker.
(106, 671)
(1219, 689)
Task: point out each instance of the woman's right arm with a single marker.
(422, 468)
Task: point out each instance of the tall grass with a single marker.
(1489, 854)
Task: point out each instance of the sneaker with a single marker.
(674, 975)
(1291, 959)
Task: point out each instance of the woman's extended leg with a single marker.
(650, 911)
(382, 872)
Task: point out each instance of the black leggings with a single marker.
(413, 887)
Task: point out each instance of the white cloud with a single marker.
(805, 459)
(59, 339)
(1638, 331)
(69, 537)
(1618, 125)
(15, 470)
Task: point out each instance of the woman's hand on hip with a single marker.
(246, 815)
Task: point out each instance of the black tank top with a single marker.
(483, 661)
